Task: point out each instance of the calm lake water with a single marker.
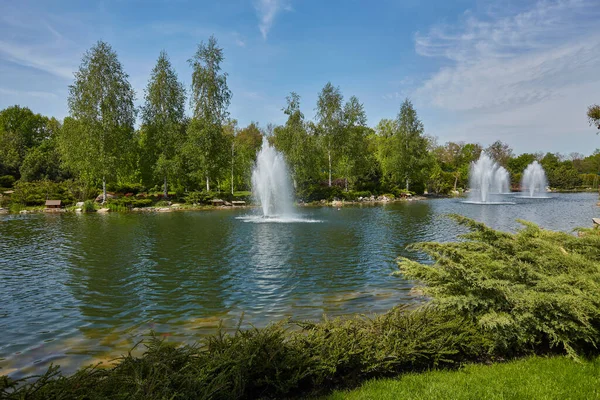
(76, 289)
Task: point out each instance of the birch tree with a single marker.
(101, 101)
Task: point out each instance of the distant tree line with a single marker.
(99, 147)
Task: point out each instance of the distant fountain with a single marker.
(271, 184)
(534, 181)
(487, 180)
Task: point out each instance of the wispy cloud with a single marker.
(34, 57)
(27, 93)
(267, 10)
(513, 71)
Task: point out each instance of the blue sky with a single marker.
(520, 71)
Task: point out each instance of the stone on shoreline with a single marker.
(103, 210)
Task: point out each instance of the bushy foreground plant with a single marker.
(273, 361)
(534, 291)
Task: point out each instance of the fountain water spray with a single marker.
(534, 181)
(487, 179)
(271, 185)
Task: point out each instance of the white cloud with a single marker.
(267, 10)
(516, 73)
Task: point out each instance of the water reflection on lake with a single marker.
(76, 288)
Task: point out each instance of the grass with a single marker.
(531, 378)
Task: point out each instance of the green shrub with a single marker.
(317, 192)
(36, 193)
(88, 206)
(199, 197)
(534, 291)
(162, 203)
(274, 362)
(130, 202)
(7, 181)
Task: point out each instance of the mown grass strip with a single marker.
(531, 378)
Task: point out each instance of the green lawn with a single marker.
(532, 378)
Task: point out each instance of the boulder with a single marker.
(78, 210)
(103, 210)
(80, 204)
(108, 197)
(3, 211)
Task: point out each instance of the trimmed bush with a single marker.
(129, 202)
(199, 197)
(36, 193)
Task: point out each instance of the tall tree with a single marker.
(353, 147)
(329, 116)
(501, 152)
(291, 139)
(101, 102)
(593, 114)
(410, 145)
(163, 116)
(207, 147)
(247, 142)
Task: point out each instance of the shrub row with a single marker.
(274, 361)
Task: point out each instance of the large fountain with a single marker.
(534, 181)
(271, 185)
(487, 182)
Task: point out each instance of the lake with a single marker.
(76, 289)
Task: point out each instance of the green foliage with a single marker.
(533, 291)
(163, 121)
(36, 193)
(329, 122)
(593, 114)
(130, 202)
(126, 188)
(531, 378)
(274, 362)
(501, 152)
(7, 181)
(20, 131)
(199, 197)
(89, 206)
(403, 150)
(97, 142)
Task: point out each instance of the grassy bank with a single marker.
(532, 378)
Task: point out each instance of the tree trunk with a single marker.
(103, 189)
(455, 182)
(407, 184)
(329, 155)
(232, 147)
(166, 193)
(207, 184)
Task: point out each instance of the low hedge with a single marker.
(275, 361)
